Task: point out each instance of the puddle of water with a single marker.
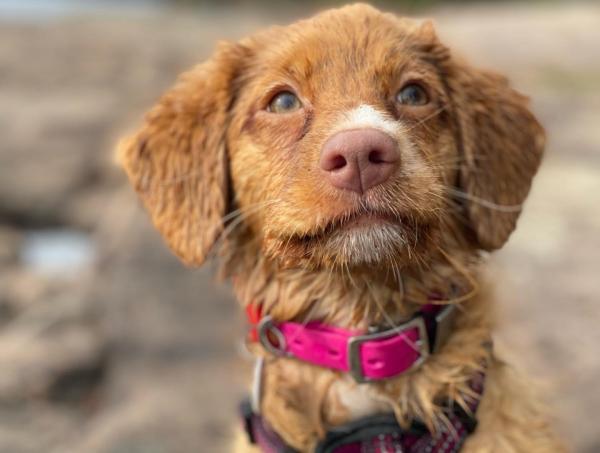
(59, 252)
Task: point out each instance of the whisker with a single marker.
(305, 320)
(236, 217)
(485, 203)
(427, 118)
(466, 274)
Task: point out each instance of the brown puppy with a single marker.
(343, 169)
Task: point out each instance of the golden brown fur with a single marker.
(222, 175)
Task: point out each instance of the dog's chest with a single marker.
(316, 397)
(356, 400)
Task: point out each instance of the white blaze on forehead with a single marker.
(365, 116)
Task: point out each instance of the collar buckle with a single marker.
(444, 321)
(271, 337)
(354, 343)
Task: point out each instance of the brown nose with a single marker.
(359, 159)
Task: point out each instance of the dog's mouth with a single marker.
(361, 237)
(348, 223)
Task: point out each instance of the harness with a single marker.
(372, 356)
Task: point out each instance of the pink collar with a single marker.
(370, 356)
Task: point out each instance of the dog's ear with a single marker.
(177, 160)
(501, 144)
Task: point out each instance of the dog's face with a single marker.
(341, 134)
(351, 139)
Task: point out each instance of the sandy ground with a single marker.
(135, 353)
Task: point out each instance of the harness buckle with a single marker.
(421, 345)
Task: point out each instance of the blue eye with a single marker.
(412, 94)
(284, 102)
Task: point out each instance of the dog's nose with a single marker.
(359, 159)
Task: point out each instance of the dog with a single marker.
(349, 174)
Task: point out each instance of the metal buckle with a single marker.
(354, 359)
(267, 327)
(444, 322)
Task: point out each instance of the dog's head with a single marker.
(353, 138)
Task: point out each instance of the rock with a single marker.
(52, 337)
(20, 290)
(10, 244)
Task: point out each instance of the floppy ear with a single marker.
(502, 145)
(177, 161)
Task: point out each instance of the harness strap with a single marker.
(378, 433)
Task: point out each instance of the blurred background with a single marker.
(108, 344)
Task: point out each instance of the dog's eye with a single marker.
(284, 102)
(412, 94)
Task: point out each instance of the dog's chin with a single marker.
(362, 243)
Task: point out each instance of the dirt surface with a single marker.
(131, 352)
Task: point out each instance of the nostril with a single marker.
(359, 159)
(376, 157)
(337, 162)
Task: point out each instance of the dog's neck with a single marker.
(351, 298)
(301, 401)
